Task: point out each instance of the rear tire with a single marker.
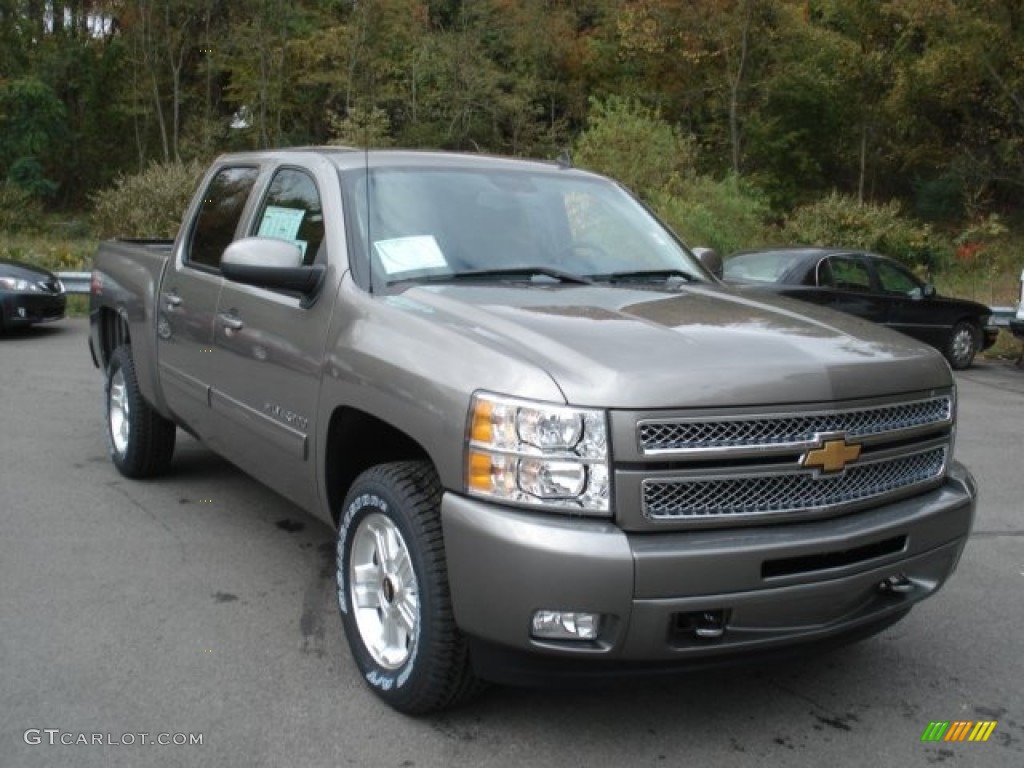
(140, 440)
(393, 591)
(962, 345)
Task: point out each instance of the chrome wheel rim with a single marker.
(118, 412)
(963, 343)
(383, 590)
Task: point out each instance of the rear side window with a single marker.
(292, 212)
(223, 202)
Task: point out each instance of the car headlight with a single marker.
(538, 454)
(14, 284)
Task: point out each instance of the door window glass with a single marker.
(221, 208)
(292, 212)
(848, 273)
(895, 279)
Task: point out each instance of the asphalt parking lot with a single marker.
(202, 604)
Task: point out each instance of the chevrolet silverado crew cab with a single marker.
(553, 444)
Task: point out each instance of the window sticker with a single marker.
(282, 223)
(406, 254)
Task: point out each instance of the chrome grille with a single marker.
(792, 429)
(795, 491)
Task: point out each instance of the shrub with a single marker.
(725, 215)
(20, 210)
(147, 204)
(633, 145)
(841, 221)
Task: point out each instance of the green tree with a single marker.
(32, 121)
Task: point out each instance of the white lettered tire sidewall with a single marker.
(404, 499)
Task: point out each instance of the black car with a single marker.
(28, 295)
(872, 287)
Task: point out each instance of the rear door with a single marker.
(188, 296)
(270, 347)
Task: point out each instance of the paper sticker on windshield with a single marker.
(407, 254)
(282, 223)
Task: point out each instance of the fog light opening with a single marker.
(565, 625)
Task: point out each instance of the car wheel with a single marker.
(140, 440)
(393, 590)
(962, 345)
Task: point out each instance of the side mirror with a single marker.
(927, 290)
(270, 263)
(711, 260)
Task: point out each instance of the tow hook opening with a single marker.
(703, 625)
(898, 584)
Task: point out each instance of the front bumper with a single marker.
(775, 586)
(989, 334)
(28, 308)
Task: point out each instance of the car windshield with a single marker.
(761, 266)
(435, 223)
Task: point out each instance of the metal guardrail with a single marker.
(75, 282)
(1001, 316)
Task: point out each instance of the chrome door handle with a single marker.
(173, 300)
(231, 322)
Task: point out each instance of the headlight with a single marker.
(538, 454)
(13, 284)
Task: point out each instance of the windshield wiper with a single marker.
(645, 274)
(499, 272)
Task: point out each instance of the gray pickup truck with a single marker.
(553, 444)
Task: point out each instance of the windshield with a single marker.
(761, 266)
(430, 223)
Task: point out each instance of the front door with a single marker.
(270, 347)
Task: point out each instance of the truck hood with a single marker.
(697, 346)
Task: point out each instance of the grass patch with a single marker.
(53, 252)
(1007, 347)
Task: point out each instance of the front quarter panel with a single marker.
(398, 360)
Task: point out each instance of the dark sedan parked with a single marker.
(872, 287)
(29, 295)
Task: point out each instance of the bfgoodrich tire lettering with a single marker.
(140, 440)
(393, 590)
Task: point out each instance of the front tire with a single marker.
(140, 440)
(393, 590)
(962, 345)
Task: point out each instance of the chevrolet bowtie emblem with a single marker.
(832, 456)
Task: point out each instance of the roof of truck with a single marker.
(345, 158)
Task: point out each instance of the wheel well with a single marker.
(113, 333)
(357, 441)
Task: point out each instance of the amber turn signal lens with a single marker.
(483, 410)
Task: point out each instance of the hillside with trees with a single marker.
(729, 116)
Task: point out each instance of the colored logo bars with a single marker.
(958, 730)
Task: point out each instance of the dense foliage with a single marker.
(750, 108)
